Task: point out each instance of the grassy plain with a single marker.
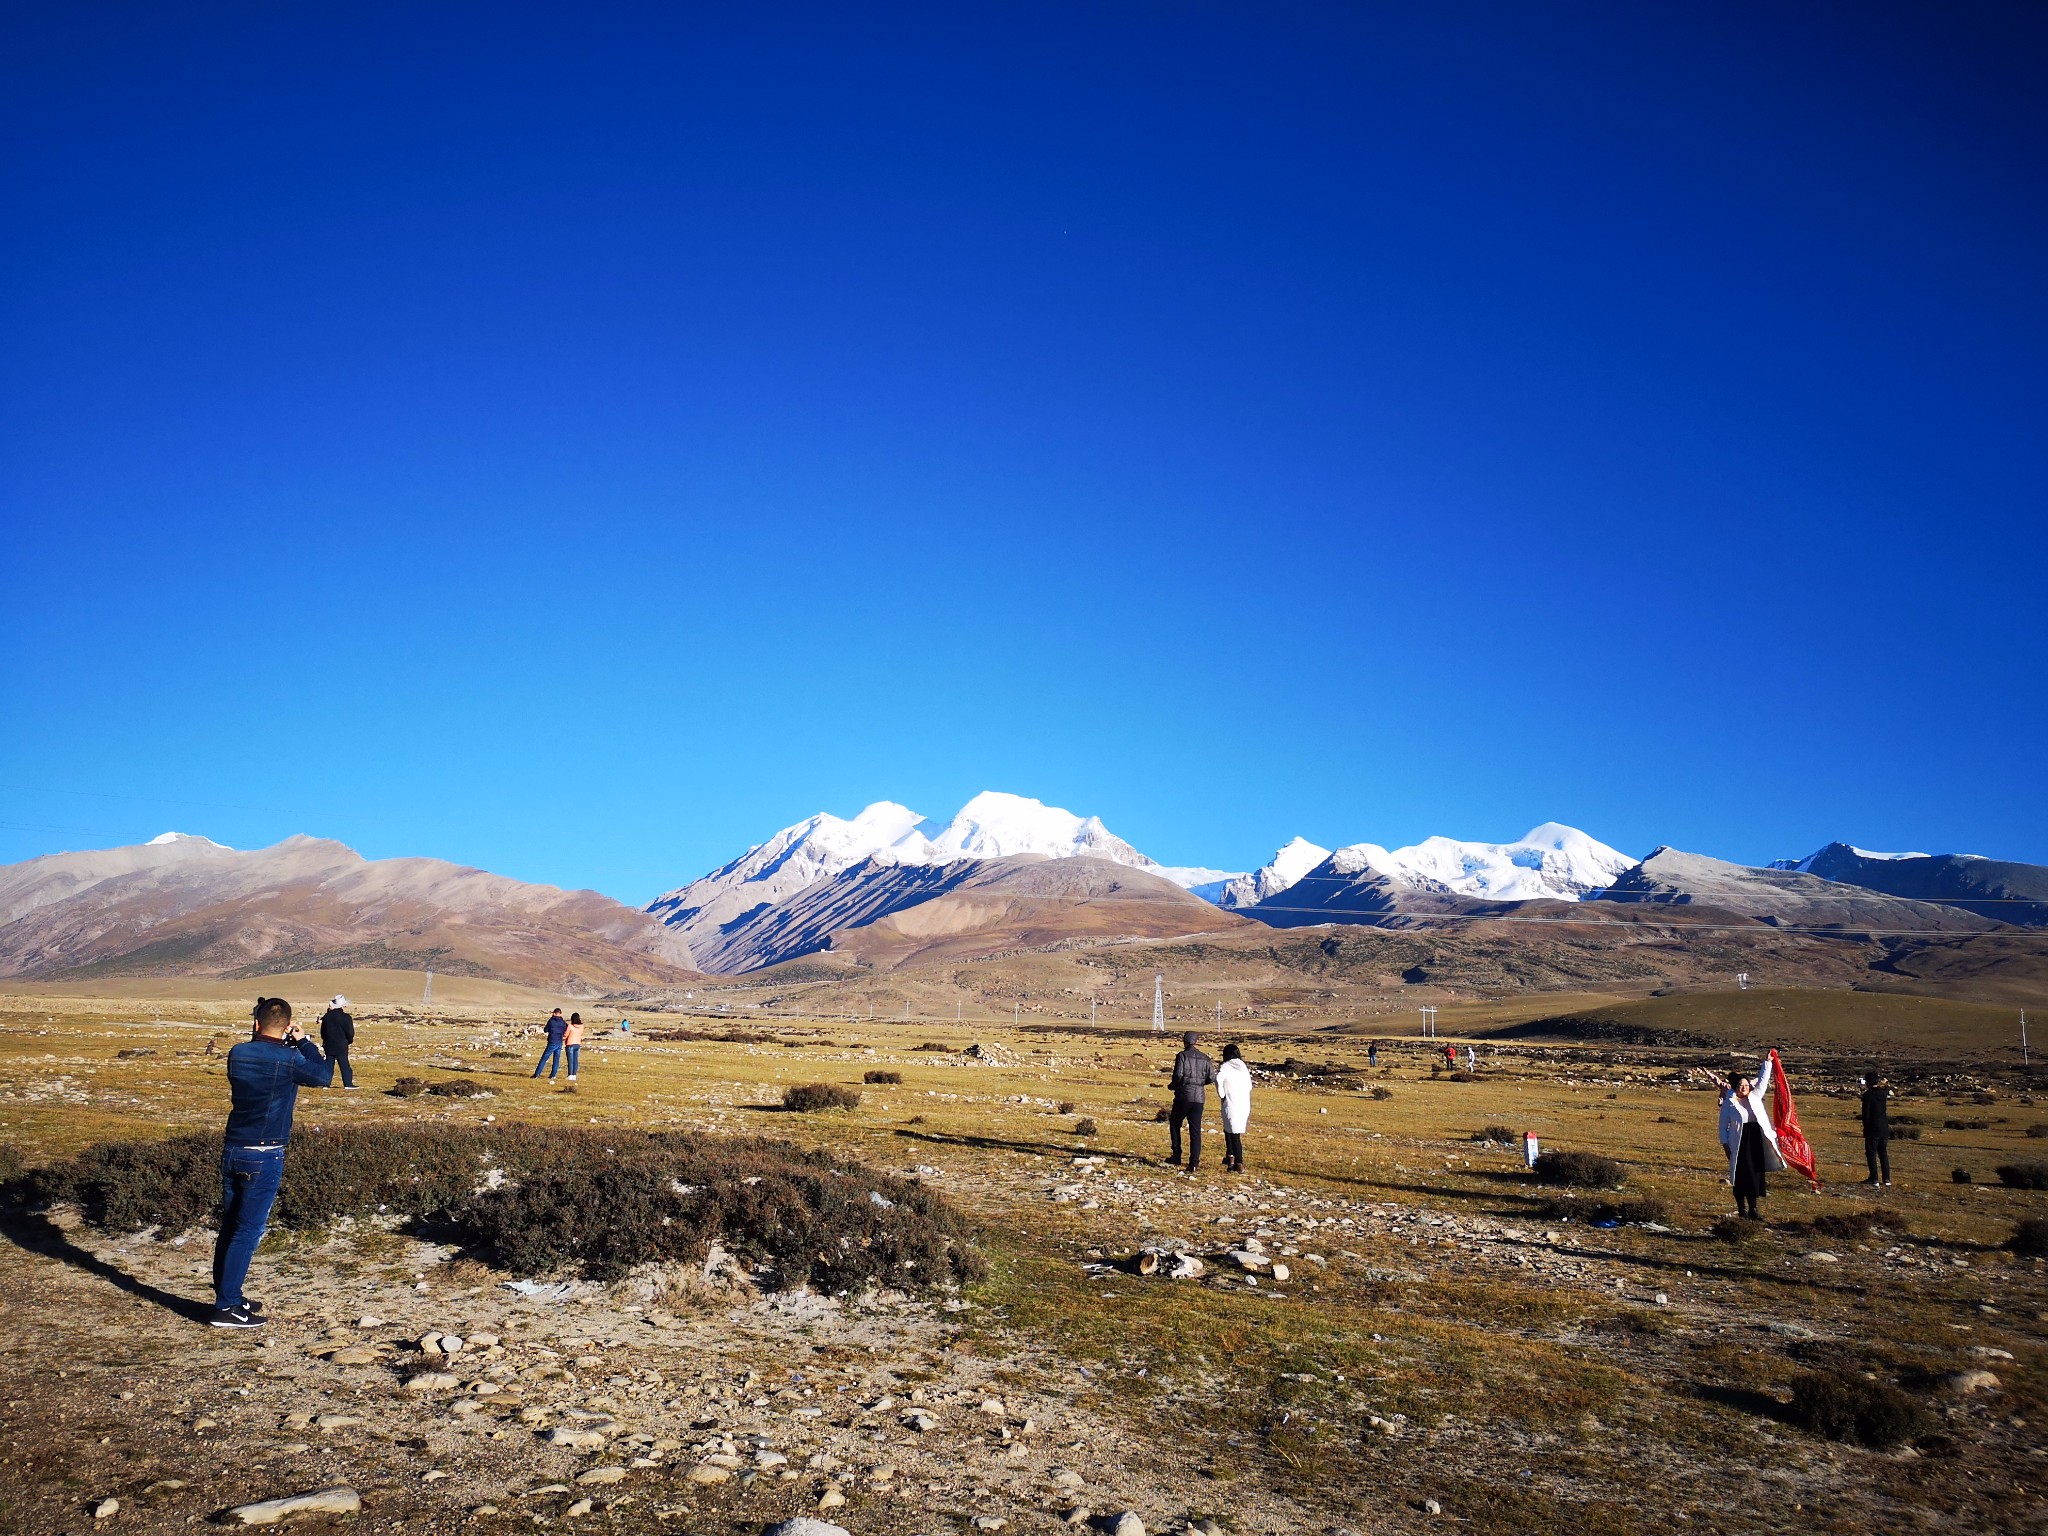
(1444, 1338)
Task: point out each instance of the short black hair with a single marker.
(1189, 1039)
(271, 1010)
(1232, 1053)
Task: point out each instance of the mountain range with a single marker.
(890, 888)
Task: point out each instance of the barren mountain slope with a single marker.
(1671, 877)
(189, 907)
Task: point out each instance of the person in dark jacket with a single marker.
(1877, 1129)
(551, 1055)
(1192, 1074)
(337, 1034)
(265, 1073)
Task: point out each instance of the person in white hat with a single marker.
(337, 1034)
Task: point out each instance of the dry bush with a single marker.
(1966, 1125)
(1579, 1170)
(459, 1088)
(2023, 1175)
(1899, 1120)
(1905, 1133)
(593, 1201)
(1382, 1093)
(11, 1162)
(2030, 1237)
(1066, 1107)
(1499, 1134)
(805, 1098)
(881, 1075)
(1085, 1128)
(1739, 1230)
(1959, 1176)
(2037, 1130)
(1165, 1114)
(933, 1045)
(408, 1088)
(1841, 1406)
(1851, 1225)
(1626, 1213)
(1462, 1076)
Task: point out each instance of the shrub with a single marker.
(2023, 1175)
(881, 1075)
(1966, 1125)
(1499, 1134)
(594, 1201)
(1163, 1116)
(11, 1162)
(1621, 1212)
(1066, 1107)
(1840, 1406)
(1898, 1120)
(408, 1088)
(1739, 1230)
(1959, 1176)
(1850, 1225)
(1085, 1128)
(804, 1098)
(932, 1045)
(1905, 1132)
(2038, 1130)
(1462, 1076)
(459, 1088)
(1579, 1170)
(1382, 1093)
(2030, 1238)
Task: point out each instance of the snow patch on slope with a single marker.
(1551, 861)
(165, 839)
(1286, 866)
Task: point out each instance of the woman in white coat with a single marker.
(1234, 1089)
(1749, 1138)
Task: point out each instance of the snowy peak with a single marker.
(1550, 862)
(1286, 867)
(994, 825)
(170, 839)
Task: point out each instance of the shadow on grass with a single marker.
(1743, 1400)
(1033, 1148)
(43, 1237)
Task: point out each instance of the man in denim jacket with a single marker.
(265, 1073)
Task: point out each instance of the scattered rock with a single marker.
(106, 1509)
(1431, 1507)
(580, 1507)
(1066, 1477)
(923, 1423)
(1281, 1272)
(597, 1475)
(708, 1474)
(1247, 1260)
(324, 1501)
(1080, 1514)
(1186, 1267)
(831, 1498)
(576, 1439)
(989, 1522)
(993, 1406)
(1127, 1524)
(432, 1381)
(356, 1354)
(1965, 1382)
(804, 1525)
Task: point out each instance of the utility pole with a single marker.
(1159, 1004)
(1219, 1013)
(1091, 1011)
(427, 998)
(1429, 1023)
(2025, 1061)
(1016, 1014)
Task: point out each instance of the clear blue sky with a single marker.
(579, 440)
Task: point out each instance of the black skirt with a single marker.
(1749, 1164)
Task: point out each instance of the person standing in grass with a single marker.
(1750, 1139)
(572, 1042)
(551, 1054)
(337, 1034)
(1193, 1072)
(265, 1073)
(1372, 1055)
(1234, 1098)
(1877, 1129)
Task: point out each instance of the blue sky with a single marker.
(579, 440)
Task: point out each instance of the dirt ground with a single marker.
(1444, 1352)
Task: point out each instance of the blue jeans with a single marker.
(248, 1188)
(574, 1052)
(551, 1058)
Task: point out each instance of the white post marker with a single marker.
(1529, 1148)
(1159, 1004)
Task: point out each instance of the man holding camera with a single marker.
(265, 1073)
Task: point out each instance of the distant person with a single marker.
(1234, 1098)
(265, 1073)
(1372, 1055)
(1451, 1057)
(625, 1026)
(551, 1054)
(572, 1041)
(1471, 1059)
(1877, 1129)
(337, 1034)
(1192, 1074)
(1749, 1138)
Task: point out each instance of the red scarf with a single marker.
(1792, 1143)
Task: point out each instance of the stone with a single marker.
(1245, 1259)
(1127, 1524)
(1965, 1382)
(322, 1501)
(599, 1475)
(332, 1421)
(1148, 1261)
(106, 1509)
(367, 1321)
(989, 1522)
(1186, 1267)
(767, 1458)
(1431, 1507)
(452, 1344)
(923, 1423)
(1205, 1528)
(1080, 1514)
(823, 1461)
(709, 1474)
(1282, 1272)
(831, 1498)
(576, 1439)
(430, 1343)
(1066, 1477)
(356, 1354)
(804, 1525)
(432, 1381)
(993, 1407)
(580, 1507)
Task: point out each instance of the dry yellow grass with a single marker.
(1446, 1341)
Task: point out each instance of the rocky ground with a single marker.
(1386, 1331)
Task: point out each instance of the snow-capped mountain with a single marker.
(1805, 866)
(1552, 861)
(1274, 876)
(992, 825)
